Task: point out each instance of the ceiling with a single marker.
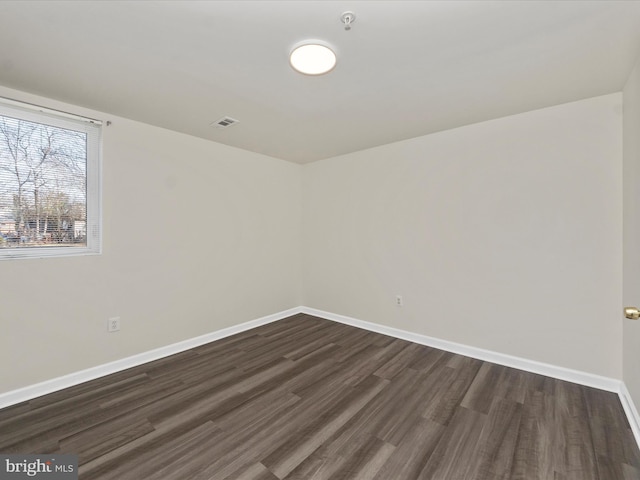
(405, 69)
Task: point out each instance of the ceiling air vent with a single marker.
(225, 122)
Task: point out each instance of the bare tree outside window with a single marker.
(43, 185)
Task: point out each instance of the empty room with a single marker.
(307, 240)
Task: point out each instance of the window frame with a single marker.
(93, 130)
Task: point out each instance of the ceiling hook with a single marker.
(348, 18)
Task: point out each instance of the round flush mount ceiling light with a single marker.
(312, 58)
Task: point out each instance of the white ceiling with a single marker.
(405, 69)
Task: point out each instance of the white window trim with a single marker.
(93, 128)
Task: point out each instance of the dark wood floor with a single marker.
(306, 398)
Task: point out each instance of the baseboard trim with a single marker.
(561, 373)
(49, 386)
(631, 411)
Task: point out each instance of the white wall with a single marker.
(198, 236)
(631, 349)
(504, 235)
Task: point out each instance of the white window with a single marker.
(49, 183)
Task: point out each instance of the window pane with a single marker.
(43, 185)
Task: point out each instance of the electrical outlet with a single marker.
(113, 324)
(399, 301)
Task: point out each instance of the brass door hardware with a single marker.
(632, 312)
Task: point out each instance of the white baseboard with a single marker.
(32, 391)
(631, 411)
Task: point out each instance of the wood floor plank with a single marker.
(399, 362)
(409, 458)
(339, 459)
(256, 471)
(362, 462)
(493, 459)
(148, 454)
(368, 469)
(628, 473)
(378, 357)
(53, 412)
(299, 447)
(460, 440)
(269, 434)
(402, 405)
(611, 433)
(45, 433)
(306, 398)
(454, 383)
(494, 381)
(581, 455)
(541, 445)
(430, 358)
(99, 439)
(13, 411)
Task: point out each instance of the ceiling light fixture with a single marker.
(312, 58)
